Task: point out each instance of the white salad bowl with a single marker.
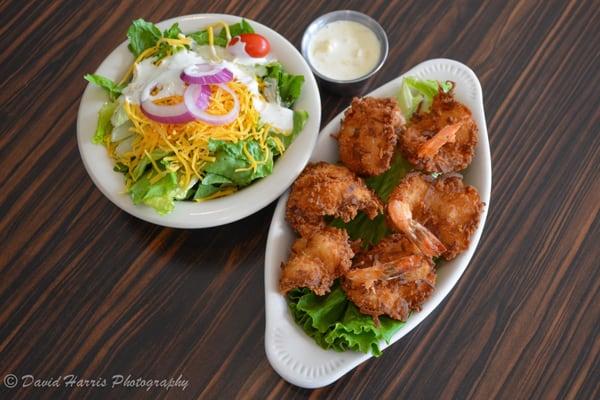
(187, 214)
(291, 352)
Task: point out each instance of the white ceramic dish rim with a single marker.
(294, 355)
(219, 211)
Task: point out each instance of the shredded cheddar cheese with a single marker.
(188, 143)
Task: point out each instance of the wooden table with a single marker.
(88, 290)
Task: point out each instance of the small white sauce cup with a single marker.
(351, 87)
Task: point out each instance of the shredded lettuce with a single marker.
(220, 39)
(112, 88)
(104, 126)
(417, 94)
(335, 323)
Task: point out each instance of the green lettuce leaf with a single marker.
(230, 157)
(289, 86)
(335, 323)
(300, 118)
(173, 32)
(220, 39)
(160, 195)
(104, 126)
(142, 35)
(204, 191)
(237, 29)
(140, 168)
(214, 179)
(201, 38)
(112, 88)
(165, 49)
(211, 183)
(415, 93)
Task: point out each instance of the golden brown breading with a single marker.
(328, 189)
(393, 278)
(446, 207)
(442, 140)
(369, 134)
(316, 261)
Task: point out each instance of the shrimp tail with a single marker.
(426, 241)
(446, 135)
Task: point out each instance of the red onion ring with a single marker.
(200, 94)
(211, 119)
(206, 74)
(176, 113)
(166, 114)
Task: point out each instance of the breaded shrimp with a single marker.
(441, 140)
(369, 134)
(328, 189)
(446, 208)
(393, 278)
(316, 261)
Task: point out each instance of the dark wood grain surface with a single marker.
(86, 289)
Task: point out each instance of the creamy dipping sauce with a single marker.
(344, 50)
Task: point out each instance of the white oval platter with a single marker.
(292, 353)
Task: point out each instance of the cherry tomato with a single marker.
(255, 45)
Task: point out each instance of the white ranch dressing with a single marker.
(344, 50)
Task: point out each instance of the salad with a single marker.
(197, 116)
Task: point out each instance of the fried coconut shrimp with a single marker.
(393, 278)
(369, 135)
(328, 189)
(316, 261)
(428, 209)
(442, 140)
